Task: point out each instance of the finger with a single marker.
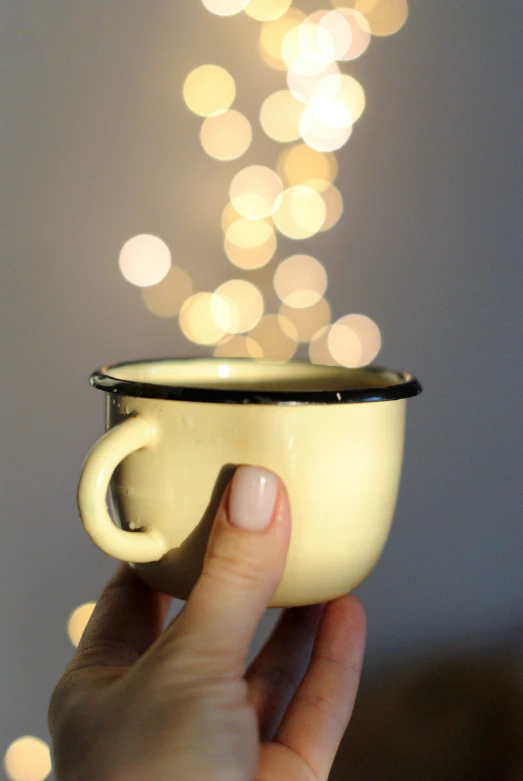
(275, 674)
(322, 706)
(243, 565)
(127, 619)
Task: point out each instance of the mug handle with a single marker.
(117, 443)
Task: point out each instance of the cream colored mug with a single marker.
(176, 429)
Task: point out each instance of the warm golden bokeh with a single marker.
(307, 322)
(301, 212)
(319, 348)
(302, 84)
(272, 35)
(166, 298)
(320, 136)
(78, 620)
(251, 258)
(197, 322)
(387, 17)
(338, 100)
(276, 337)
(267, 10)
(349, 30)
(333, 206)
(354, 340)
(280, 116)
(209, 90)
(226, 136)
(299, 164)
(225, 7)
(229, 215)
(254, 191)
(300, 281)
(244, 303)
(247, 234)
(238, 347)
(144, 260)
(27, 759)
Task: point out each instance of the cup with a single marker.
(177, 428)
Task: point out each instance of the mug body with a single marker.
(340, 462)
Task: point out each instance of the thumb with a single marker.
(243, 566)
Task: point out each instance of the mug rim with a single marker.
(406, 387)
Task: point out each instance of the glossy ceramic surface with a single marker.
(176, 429)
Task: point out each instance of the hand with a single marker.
(136, 704)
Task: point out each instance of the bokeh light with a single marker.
(225, 7)
(197, 321)
(209, 90)
(243, 308)
(229, 215)
(320, 136)
(145, 260)
(300, 281)
(308, 48)
(78, 620)
(338, 100)
(246, 233)
(226, 136)
(354, 340)
(299, 164)
(272, 35)
(303, 85)
(301, 212)
(333, 206)
(251, 258)
(319, 348)
(267, 10)
(307, 322)
(238, 347)
(387, 17)
(280, 116)
(254, 191)
(166, 298)
(27, 759)
(276, 337)
(349, 30)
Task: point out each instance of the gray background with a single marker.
(96, 145)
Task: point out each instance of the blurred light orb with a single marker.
(304, 85)
(280, 116)
(308, 321)
(320, 136)
(301, 212)
(276, 337)
(333, 206)
(229, 215)
(225, 7)
(349, 30)
(254, 191)
(166, 299)
(272, 35)
(299, 164)
(363, 6)
(338, 100)
(246, 233)
(226, 136)
(244, 303)
(238, 347)
(251, 258)
(209, 90)
(145, 260)
(27, 759)
(267, 10)
(319, 348)
(308, 48)
(354, 340)
(197, 319)
(300, 282)
(78, 620)
(387, 16)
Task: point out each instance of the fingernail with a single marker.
(252, 499)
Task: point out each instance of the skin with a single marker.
(137, 702)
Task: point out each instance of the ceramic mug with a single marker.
(176, 429)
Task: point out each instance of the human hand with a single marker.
(139, 704)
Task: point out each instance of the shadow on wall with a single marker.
(455, 718)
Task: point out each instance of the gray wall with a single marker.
(96, 145)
